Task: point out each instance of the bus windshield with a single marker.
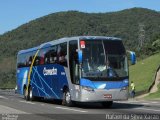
(104, 58)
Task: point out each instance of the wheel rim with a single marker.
(25, 93)
(68, 97)
(30, 94)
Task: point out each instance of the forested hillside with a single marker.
(127, 24)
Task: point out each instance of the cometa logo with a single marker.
(49, 71)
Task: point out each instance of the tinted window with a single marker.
(21, 61)
(114, 47)
(104, 58)
(37, 59)
(53, 54)
(62, 54)
(40, 59)
(25, 59)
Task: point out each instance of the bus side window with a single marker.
(41, 55)
(62, 54)
(30, 60)
(27, 59)
(53, 54)
(47, 56)
(37, 60)
(31, 56)
(20, 61)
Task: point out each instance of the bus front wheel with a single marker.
(67, 99)
(26, 96)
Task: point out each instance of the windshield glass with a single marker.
(104, 58)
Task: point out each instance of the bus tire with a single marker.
(26, 96)
(107, 104)
(67, 99)
(24, 93)
(31, 97)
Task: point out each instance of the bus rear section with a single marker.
(42, 72)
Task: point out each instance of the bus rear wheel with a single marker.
(25, 93)
(67, 99)
(31, 97)
(107, 104)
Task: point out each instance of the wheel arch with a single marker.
(65, 87)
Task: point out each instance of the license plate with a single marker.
(109, 96)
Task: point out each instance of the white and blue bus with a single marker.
(75, 69)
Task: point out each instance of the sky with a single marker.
(14, 13)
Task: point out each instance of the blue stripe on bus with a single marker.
(104, 84)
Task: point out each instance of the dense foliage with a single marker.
(124, 24)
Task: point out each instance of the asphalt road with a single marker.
(13, 106)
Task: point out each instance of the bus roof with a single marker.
(28, 50)
(99, 37)
(65, 39)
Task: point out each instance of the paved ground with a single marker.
(15, 107)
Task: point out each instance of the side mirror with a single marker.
(132, 57)
(80, 56)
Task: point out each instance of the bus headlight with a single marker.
(89, 89)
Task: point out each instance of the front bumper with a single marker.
(101, 95)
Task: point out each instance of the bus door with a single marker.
(73, 61)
